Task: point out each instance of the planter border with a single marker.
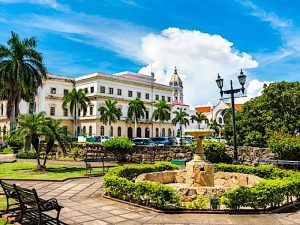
(208, 211)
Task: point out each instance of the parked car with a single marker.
(165, 141)
(185, 140)
(101, 138)
(143, 141)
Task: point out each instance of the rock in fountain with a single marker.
(199, 171)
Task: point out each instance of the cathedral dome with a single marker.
(175, 79)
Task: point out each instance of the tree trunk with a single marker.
(35, 143)
(27, 143)
(135, 125)
(199, 125)
(12, 118)
(160, 123)
(49, 147)
(110, 128)
(75, 121)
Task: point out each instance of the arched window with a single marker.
(0, 130)
(2, 109)
(156, 132)
(111, 131)
(138, 132)
(169, 132)
(102, 131)
(129, 132)
(84, 130)
(119, 131)
(90, 130)
(220, 120)
(147, 132)
(78, 130)
(163, 132)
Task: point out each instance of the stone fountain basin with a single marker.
(222, 181)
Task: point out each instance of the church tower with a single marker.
(177, 87)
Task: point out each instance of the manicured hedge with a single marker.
(280, 186)
(119, 183)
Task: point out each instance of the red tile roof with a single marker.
(236, 106)
(203, 109)
(178, 103)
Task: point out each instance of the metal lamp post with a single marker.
(231, 91)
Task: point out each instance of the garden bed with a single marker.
(278, 188)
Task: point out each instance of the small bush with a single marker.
(280, 186)
(14, 141)
(76, 152)
(215, 152)
(6, 150)
(199, 203)
(120, 147)
(118, 183)
(22, 154)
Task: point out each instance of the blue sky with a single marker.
(201, 38)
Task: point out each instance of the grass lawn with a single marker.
(3, 207)
(25, 170)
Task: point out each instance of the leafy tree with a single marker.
(276, 110)
(76, 99)
(136, 109)
(37, 126)
(199, 117)
(162, 112)
(110, 113)
(181, 117)
(21, 73)
(215, 126)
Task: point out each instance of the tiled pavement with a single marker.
(83, 204)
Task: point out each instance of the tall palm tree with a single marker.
(76, 99)
(162, 112)
(110, 113)
(21, 73)
(215, 126)
(136, 109)
(181, 117)
(199, 117)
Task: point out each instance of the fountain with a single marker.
(198, 177)
(199, 171)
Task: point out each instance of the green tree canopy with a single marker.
(181, 117)
(199, 117)
(276, 110)
(76, 99)
(21, 73)
(162, 112)
(110, 113)
(136, 109)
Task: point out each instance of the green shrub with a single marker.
(199, 203)
(118, 183)
(15, 141)
(120, 147)
(215, 152)
(280, 186)
(286, 145)
(76, 152)
(6, 150)
(22, 154)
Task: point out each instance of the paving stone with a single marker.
(102, 215)
(84, 218)
(132, 215)
(95, 222)
(114, 219)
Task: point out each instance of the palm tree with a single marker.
(110, 113)
(21, 73)
(215, 126)
(199, 117)
(181, 117)
(36, 126)
(162, 112)
(31, 126)
(136, 109)
(54, 132)
(76, 99)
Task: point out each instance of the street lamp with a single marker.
(231, 91)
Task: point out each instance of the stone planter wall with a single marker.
(247, 155)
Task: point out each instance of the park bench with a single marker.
(294, 164)
(94, 156)
(29, 203)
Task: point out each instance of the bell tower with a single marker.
(177, 87)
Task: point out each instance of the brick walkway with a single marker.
(84, 205)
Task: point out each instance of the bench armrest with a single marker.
(49, 204)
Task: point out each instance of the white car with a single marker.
(104, 138)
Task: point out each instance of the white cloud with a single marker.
(255, 88)
(49, 3)
(199, 57)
